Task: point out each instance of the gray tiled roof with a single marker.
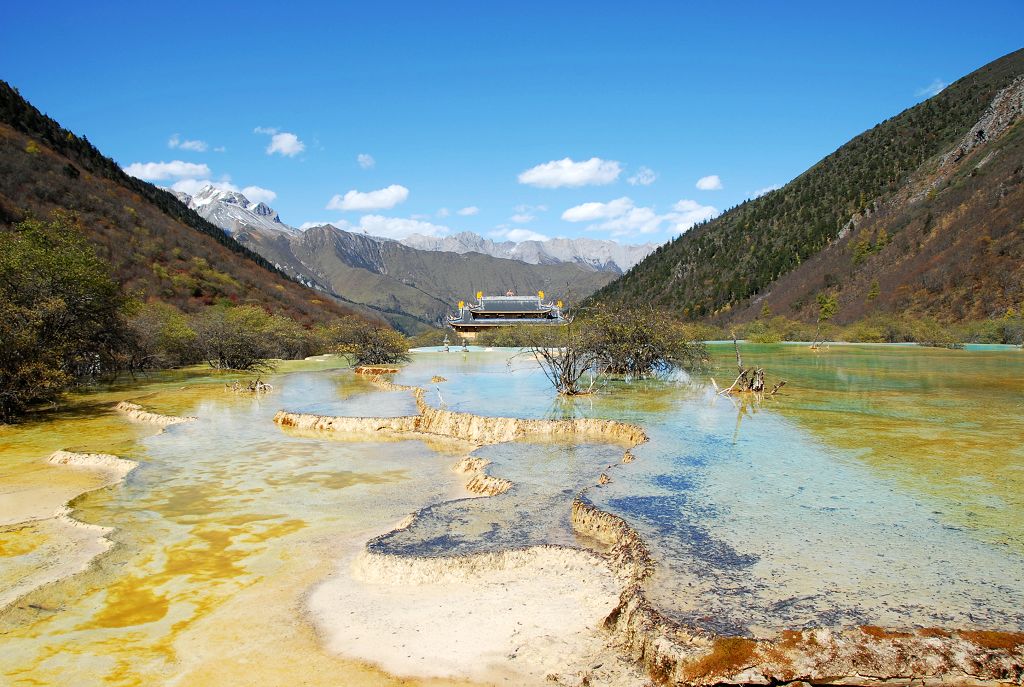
(506, 310)
(497, 322)
(510, 305)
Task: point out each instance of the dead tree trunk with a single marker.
(749, 380)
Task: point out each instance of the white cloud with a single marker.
(588, 212)
(932, 89)
(687, 213)
(567, 172)
(309, 225)
(767, 189)
(468, 211)
(220, 149)
(365, 160)
(381, 199)
(518, 235)
(622, 217)
(398, 227)
(258, 194)
(710, 183)
(640, 220)
(645, 176)
(285, 144)
(526, 213)
(443, 212)
(281, 142)
(388, 227)
(166, 170)
(176, 141)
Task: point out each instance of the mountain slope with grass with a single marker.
(922, 214)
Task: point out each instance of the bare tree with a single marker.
(565, 357)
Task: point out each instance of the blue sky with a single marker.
(538, 115)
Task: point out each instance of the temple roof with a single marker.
(466, 322)
(496, 311)
(509, 304)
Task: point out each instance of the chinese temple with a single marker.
(504, 311)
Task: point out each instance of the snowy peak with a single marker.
(211, 194)
(598, 254)
(264, 210)
(233, 212)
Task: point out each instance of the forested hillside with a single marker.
(158, 248)
(907, 188)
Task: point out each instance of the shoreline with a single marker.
(669, 652)
(72, 543)
(69, 546)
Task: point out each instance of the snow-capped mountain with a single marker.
(237, 215)
(597, 253)
(233, 212)
(414, 282)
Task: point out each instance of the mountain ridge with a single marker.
(808, 232)
(232, 211)
(413, 287)
(597, 253)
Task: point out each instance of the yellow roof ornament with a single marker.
(479, 295)
(559, 304)
(540, 294)
(462, 304)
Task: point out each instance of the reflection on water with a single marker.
(883, 486)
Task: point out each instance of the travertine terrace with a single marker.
(668, 651)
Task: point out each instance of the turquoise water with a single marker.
(815, 507)
(536, 510)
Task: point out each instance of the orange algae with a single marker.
(989, 639)
(375, 370)
(728, 655)
(217, 560)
